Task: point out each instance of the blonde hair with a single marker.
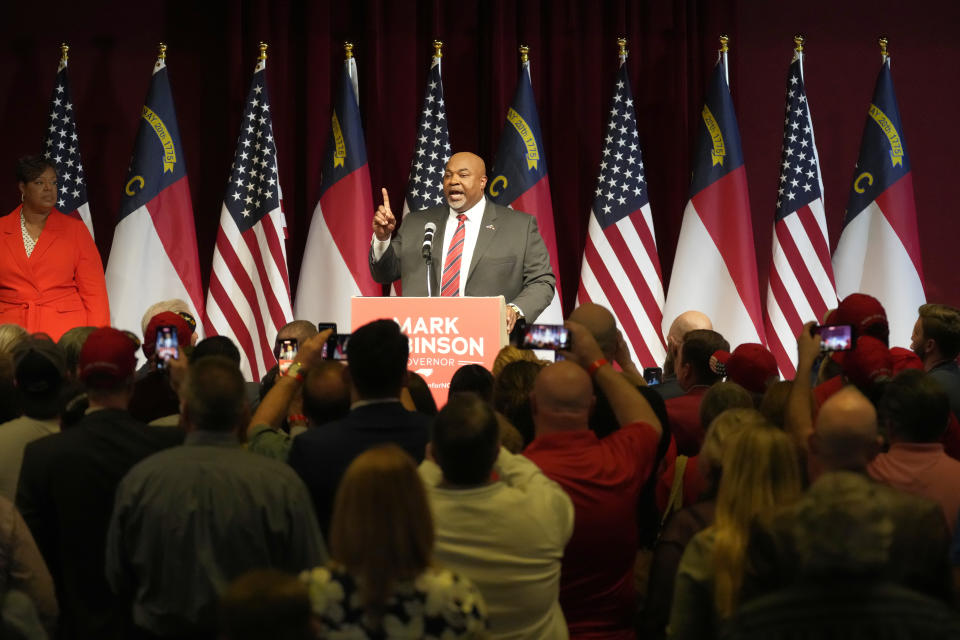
(382, 530)
(760, 474)
(510, 354)
(10, 336)
(176, 305)
(719, 434)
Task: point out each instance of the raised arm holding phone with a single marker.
(476, 248)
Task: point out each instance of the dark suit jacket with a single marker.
(322, 454)
(66, 490)
(509, 259)
(61, 284)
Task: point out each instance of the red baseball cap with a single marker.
(903, 359)
(866, 314)
(751, 365)
(107, 358)
(868, 363)
(163, 319)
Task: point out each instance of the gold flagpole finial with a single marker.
(162, 51)
(883, 47)
(524, 54)
(348, 48)
(263, 52)
(64, 50)
(622, 47)
(437, 49)
(798, 41)
(724, 42)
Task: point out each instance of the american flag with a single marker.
(425, 188)
(801, 286)
(249, 296)
(621, 266)
(62, 147)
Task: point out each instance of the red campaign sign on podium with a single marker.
(444, 333)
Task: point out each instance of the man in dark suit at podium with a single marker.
(500, 250)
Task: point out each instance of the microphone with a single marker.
(428, 230)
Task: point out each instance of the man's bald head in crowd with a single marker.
(601, 324)
(562, 398)
(846, 437)
(302, 330)
(683, 324)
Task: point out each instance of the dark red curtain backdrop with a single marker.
(213, 46)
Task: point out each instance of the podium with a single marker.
(444, 333)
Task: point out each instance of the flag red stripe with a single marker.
(223, 302)
(245, 286)
(276, 250)
(900, 210)
(617, 304)
(646, 237)
(537, 202)
(724, 209)
(799, 268)
(624, 255)
(779, 350)
(347, 208)
(172, 214)
(269, 295)
(818, 240)
(793, 320)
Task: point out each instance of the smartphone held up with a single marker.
(835, 337)
(549, 337)
(167, 346)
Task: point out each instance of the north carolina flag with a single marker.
(519, 178)
(335, 263)
(879, 248)
(154, 251)
(715, 267)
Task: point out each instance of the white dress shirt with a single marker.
(508, 538)
(471, 228)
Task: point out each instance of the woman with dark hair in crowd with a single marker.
(381, 582)
(51, 276)
(511, 395)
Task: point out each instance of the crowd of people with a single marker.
(544, 500)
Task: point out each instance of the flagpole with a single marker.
(724, 48)
(162, 52)
(437, 49)
(64, 50)
(262, 57)
(622, 50)
(884, 52)
(351, 63)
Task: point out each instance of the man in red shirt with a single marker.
(695, 376)
(603, 479)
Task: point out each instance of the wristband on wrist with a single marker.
(296, 418)
(296, 371)
(592, 369)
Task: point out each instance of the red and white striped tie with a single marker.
(450, 279)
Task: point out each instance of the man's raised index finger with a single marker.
(386, 198)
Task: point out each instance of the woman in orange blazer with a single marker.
(51, 276)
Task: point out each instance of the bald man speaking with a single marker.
(478, 248)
